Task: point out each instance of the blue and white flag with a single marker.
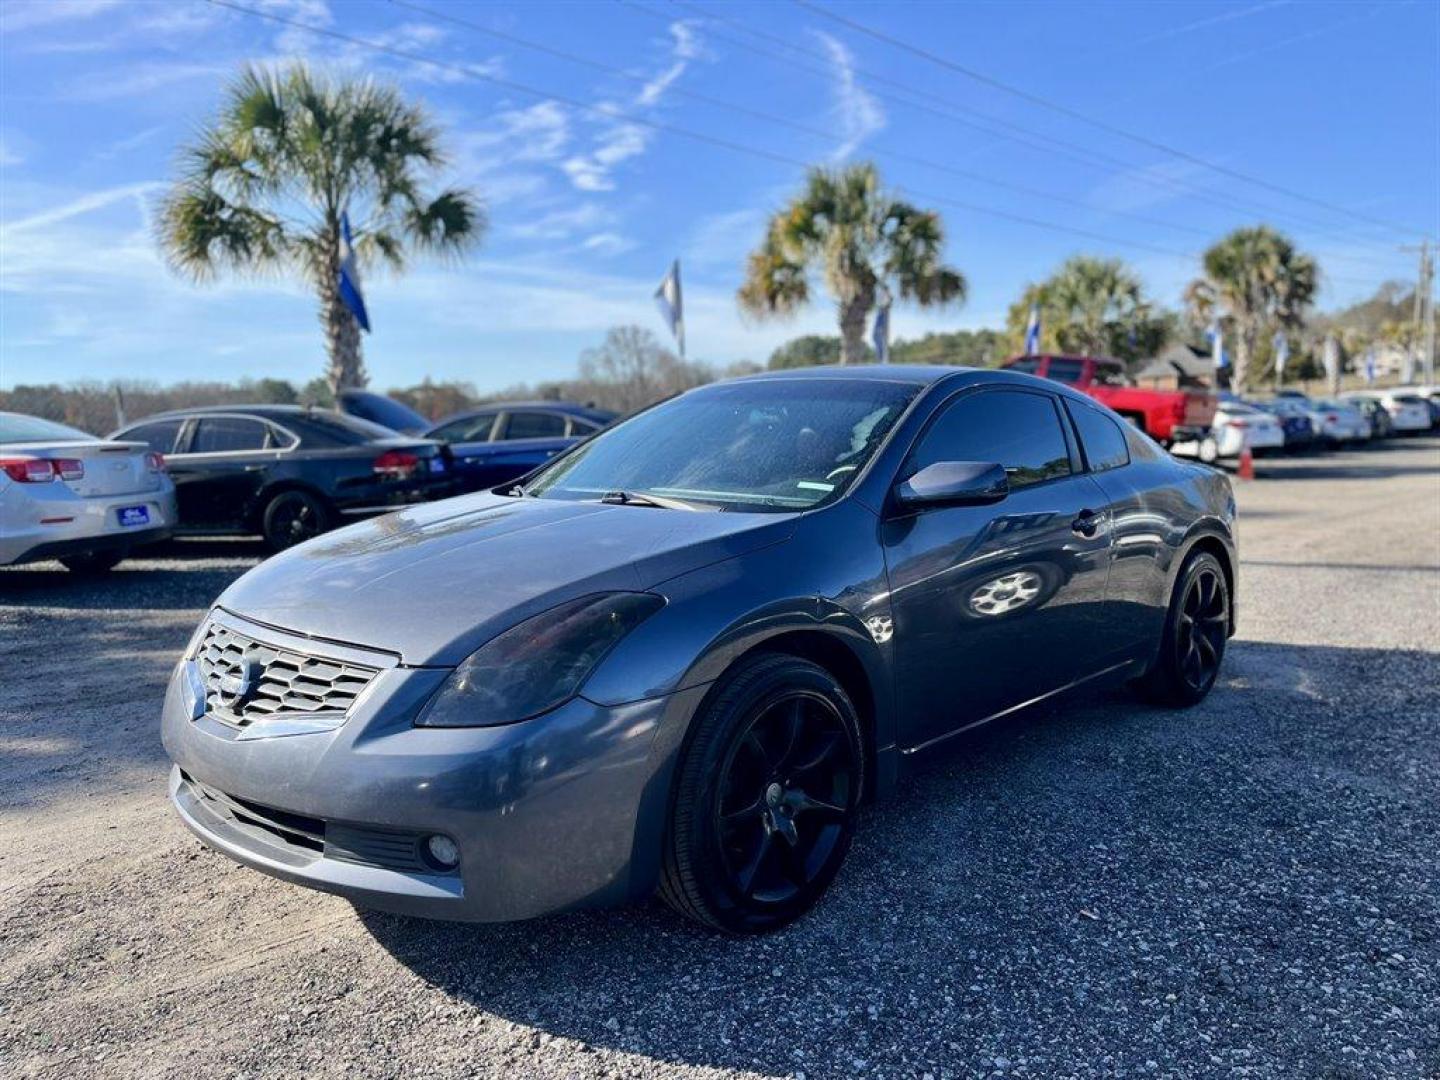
(350, 276)
(1282, 354)
(881, 333)
(1370, 365)
(671, 302)
(1217, 344)
(1032, 331)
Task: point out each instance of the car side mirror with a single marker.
(954, 483)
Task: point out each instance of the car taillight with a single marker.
(396, 463)
(1177, 407)
(69, 468)
(1237, 423)
(155, 461)
(26, 470)
(1332, 418)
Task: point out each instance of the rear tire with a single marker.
(100, 562)
(1192, 644)
(291, 518)
(765, 797)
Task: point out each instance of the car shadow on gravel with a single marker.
(1095, 887)
(130, 587)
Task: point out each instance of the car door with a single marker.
(525, 439)
(996, 605)
(1142, 506)
(221, 470)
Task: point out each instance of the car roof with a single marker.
(263, 411)
(922, 374)
(569, 408)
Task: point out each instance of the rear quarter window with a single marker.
(1101, 438)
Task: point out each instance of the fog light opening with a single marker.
(442, 852)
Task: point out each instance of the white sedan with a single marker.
(1408, 410)
(1238, 425)
(69, 496)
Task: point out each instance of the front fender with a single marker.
(828, 578)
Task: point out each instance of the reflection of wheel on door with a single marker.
(293, 517)
(1015, 590)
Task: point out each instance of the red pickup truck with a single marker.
(1167, 416)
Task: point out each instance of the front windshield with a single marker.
(766, 444)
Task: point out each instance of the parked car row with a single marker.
(284, 472)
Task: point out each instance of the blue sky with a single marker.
(1335, 101)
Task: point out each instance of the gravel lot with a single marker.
(1249, 888)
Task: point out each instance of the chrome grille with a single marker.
(286, 682)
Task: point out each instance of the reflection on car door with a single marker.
(997, 605)
(221, 470)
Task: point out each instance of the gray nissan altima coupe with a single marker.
(682, 654)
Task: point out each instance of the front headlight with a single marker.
(537, 665)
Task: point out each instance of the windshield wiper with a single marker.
(646, 498)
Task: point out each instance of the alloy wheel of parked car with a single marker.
(1196, 628)
(293, 517)
(765, 801)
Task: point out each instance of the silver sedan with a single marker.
(67, 495)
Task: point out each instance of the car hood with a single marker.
(433, 583)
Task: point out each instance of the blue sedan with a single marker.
(505, 440)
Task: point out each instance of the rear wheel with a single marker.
(1193, 642)
(293, 517)
(766, 797)
(100, 562)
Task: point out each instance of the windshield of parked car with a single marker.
(767, 444)
(18, 428)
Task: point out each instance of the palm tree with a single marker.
(862, 239)
(1254, 278)
(1091, 306)
(264, 187)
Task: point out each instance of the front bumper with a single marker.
(559, 812)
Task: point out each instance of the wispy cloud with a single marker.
(686, 48)
(857, 112)
(621, 139)
(10, 152)
(18, 15)
(84, 204)
(607, 243)
(592, 171)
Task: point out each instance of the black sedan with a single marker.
(287, 472)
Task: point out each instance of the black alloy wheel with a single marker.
(1196, 630)
(293, 517)
(765, 802)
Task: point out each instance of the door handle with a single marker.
(1087, 524)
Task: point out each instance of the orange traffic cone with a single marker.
(1247, 464)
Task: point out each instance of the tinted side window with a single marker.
(1101, 437)
(159, 436)
(1019, 430)
(1142, 448)
(534, 425)
(228, 434)
(582, 427)
(1029, 365)
(1066, 371)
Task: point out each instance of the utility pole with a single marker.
(1424, 312)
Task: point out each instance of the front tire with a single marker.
(1193, 641)
(765, 798)
(291, 518)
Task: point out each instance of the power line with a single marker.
(952, 111)
(610, 113)
(1102, 125)
(792, 125)
(657, 125)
